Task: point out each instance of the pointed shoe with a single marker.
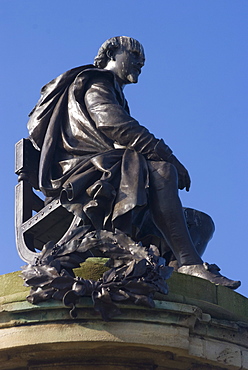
(209, 272)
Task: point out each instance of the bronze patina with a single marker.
(118, 185)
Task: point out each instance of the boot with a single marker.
(209, 272)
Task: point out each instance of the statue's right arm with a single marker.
(115, 122)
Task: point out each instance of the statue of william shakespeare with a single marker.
(121, 184)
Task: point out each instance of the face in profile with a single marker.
(127, 63)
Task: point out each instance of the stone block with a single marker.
(222, 353)
(196, 346)
(233, 302)
(244, 359)
(12, 288)
(191, 286)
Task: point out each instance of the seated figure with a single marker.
(110, 171)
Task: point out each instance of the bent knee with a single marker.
(200, 220)
(163, 171)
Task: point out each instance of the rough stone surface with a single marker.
(197, 326)
(244, 359)
(93, 268)
(218, 301)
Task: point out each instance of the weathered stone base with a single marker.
(203, 329)
(105, 357)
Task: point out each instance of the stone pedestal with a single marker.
(197, 326)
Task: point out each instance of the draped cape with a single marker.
(105, 185)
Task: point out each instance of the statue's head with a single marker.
(122, 55)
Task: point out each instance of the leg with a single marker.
(167, 212)
(201, 228)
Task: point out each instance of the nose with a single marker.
(139, 63)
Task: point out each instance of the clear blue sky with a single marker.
(193, 92)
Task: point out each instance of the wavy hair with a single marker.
(113, 44)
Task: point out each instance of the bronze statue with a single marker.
(110, 172)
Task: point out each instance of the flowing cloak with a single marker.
(93, 153)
